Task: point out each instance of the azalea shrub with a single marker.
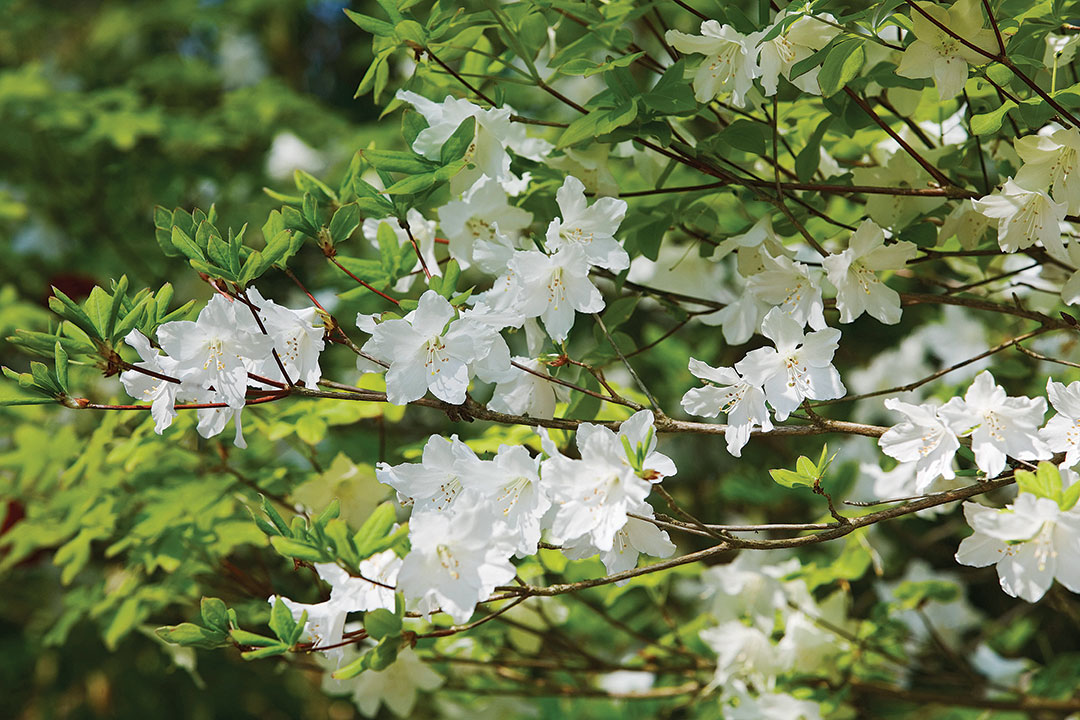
(687, 359)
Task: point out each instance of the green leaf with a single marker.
(806, 162)
(672, 94)
(61, 358)
(214, 613)
(191, 635)
(374, 529)
(746, 135)
(841, 66)
(790, 479)
(282, 622)
(1044, 482)
(457, 145)
(299, 550)
(69, 309)
(989, 123)
(183, 242)
(344, 223)
(379, 657)
(371, 25)
(1070, 497)
(805, 467)
(396, 162)
(308, 183)
(382, 623)
(413, 184)
(119, 294)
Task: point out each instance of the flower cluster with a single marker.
(798, 368)
(999, 427)
(471, 516)
(733, 60)
(233, 345)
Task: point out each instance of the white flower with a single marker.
(423, 232)
(326, 620)
(749, 589)
(487, 153)
(1070, 291)
(161, 394)
(553, 287)
(739, 319)
(634, 538)
(483, 222)
(1052, 161)
(999, 426)
(637, 437)
(524, 393)
(966, 223)
(799, 368)
(426, 351)
(773, 706)
(455, 561)
(289, 153)
(743, 653)
(593, 228)
(297, 339)
(1032, 542)
(729, 64)
(395, 686)
(434, 484)
(790, 286)
(923, 438)
(798, 41)
(937, 54)
(1062, 432)
(592, 495)
(854, 273)
(742, 401)
(1023, 217)
(896, 212)
(211, 351)
(212, 420)
(590, 165)
(509, 488)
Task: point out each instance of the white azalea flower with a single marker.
(966, 223)
(326, 620)
(161, 394)
(493, 136)
(749, 589)
(591, 227)
(635, 538)
(896, 212)
(590, 165)
(211, 351)
(509, 488)
(798, 41)
(999, 426)
(937, 54)
(740, 318)
(434, 484)
(524, 393)
(426, 351)
(297, 339)
(1032, 542)
(1024, 217)
(423, 232)
(740, 399)
(789, 285)
(854, 274)
(800, 366)
(637, 437)
(397, 686)
(482, 217)
(1070, 291)
(455, 561)
(1062, 432)
(592, 495)
(923, 438)
(730, 62)
(743, 653)
(773, 706)
(212, 421)
(553, 287)
(1052, 161)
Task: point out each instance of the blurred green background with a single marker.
(106, 110)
